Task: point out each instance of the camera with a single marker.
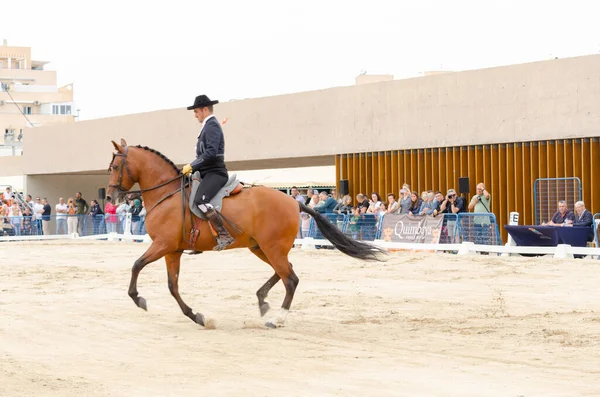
(478, 197)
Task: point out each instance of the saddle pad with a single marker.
(217, 201)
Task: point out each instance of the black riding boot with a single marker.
(224, 239)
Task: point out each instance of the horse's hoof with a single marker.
(141, 302)
(199, 319)
(270, 325)
(264, 308)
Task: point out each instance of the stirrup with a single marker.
(223, 242)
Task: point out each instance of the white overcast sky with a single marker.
(132, 56)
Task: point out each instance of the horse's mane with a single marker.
(159, 154)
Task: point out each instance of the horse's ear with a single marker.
(123, 143)
(116, 145)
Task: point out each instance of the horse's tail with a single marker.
(345, 244)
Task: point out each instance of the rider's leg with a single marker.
(209, 187)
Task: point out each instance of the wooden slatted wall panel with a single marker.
(508, 170)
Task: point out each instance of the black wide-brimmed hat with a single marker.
(202, 101)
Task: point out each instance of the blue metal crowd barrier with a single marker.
(361, 227)
(84, 225)
(479, 228)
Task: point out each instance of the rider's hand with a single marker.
(186, 170)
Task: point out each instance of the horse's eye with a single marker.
(115, 168)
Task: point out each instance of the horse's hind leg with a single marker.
(173, 261)
(155, 252)
(283, 268)
(264, 290)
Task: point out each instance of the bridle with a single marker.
(122, 166)
(121, 190)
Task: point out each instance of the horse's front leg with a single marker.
(173, 264)
(155, 252)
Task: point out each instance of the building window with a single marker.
(9, 134)
(61, 109)
(27, 109)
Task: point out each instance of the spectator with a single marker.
(482, 226)
(329, 203)
(37, 216)
(143, 218)
(110, 213)
(309, 194)
(296, 195)
(345, 207)
(481, 201)
(135, 216)
(16, 218)
(584, 218)
(375, 203)
(46, 214)
(71, 216)
(8, 195)
(333, 193)
(439, 200)
(430, 204)
(97, 217)
(393, 205)
(562, 217)
(452, 204)
(82, 209)
(61, 216)
(363, 203)
(353, 226)
(416, 204)
(404, 199)
(122, 211)
(315, 200)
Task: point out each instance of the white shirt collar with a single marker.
(206, 119)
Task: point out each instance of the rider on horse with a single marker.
(210, 161)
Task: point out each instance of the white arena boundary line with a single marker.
(465, 248)
(468, 248)
(109, 237)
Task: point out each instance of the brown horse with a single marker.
(268, 222)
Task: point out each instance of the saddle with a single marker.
(232, 187)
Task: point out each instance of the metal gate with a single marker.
(547, 192)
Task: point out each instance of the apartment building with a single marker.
(29, 97)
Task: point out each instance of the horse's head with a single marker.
(122, 170)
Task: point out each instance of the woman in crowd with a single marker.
(110, 215)
(345, 207)
(393, 205)
(71, 216)
(416, 204)
(404, 199)
(374, 203)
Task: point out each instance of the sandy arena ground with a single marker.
(418, 325)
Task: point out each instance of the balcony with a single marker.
(33, 88)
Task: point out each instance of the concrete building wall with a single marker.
(55, 186)
(553, 99)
